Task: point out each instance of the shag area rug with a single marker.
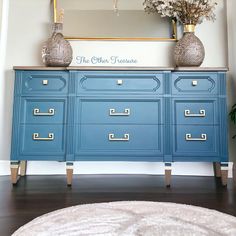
(131, 219)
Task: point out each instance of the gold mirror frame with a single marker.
(173, 39)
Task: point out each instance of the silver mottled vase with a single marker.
(57, 51)
(189, 50)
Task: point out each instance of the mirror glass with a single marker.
(106, 19)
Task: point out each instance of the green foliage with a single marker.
(232, 115)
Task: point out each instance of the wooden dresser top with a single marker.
(200, 69)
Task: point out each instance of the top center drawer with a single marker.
(110, 82)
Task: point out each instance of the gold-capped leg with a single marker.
(224, 173)
(168, 169)
(14, 172)
(217, 169)
(23, 167)
(69, 173)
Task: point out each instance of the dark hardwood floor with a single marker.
(37, 195)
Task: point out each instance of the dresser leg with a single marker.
(217, 169)
(224, 173)
(14, 172)
(23, 166)
(69, 173)
(168, 174)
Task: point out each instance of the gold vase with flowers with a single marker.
(189, 50)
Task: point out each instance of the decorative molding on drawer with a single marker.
(183, 88)
(44, 82)
(131, 83)
(134, 111)
(195, 111)
(42, 140)
(41, 110)
(58, 168)
(30, 80)
(198, 83)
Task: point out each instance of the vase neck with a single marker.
(189, 28)
(57, 28)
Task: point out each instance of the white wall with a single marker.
(1, 14)
(3, 41)
(29, 27)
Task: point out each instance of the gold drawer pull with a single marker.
(37, 138)
(202, 113)
(194, 83)
(125, 113)
(188, 137)
(45, 82)
(112, 138)
(51, 112)
(119, 82)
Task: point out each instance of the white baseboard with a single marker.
(149, 168)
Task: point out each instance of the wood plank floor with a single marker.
(37, 195)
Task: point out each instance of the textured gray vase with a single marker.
(57, 51)
(189, 51)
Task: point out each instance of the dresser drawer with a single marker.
(194, 83)
(42, 139)
(121, 82)
(195, 111)
(195, 140)
(125, 111)
(44, 82)
(132, 138)
(43, 111)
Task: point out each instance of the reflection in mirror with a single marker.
(112, 19)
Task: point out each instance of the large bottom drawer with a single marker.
(196, 140)
(120, 138)
(42, 139)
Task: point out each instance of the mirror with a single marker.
(112, 20)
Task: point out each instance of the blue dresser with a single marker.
(145, 114)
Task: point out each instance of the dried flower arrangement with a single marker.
(187, 12)
(233, 116)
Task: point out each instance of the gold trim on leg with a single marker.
(23, 167)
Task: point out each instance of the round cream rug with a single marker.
(131, 219)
